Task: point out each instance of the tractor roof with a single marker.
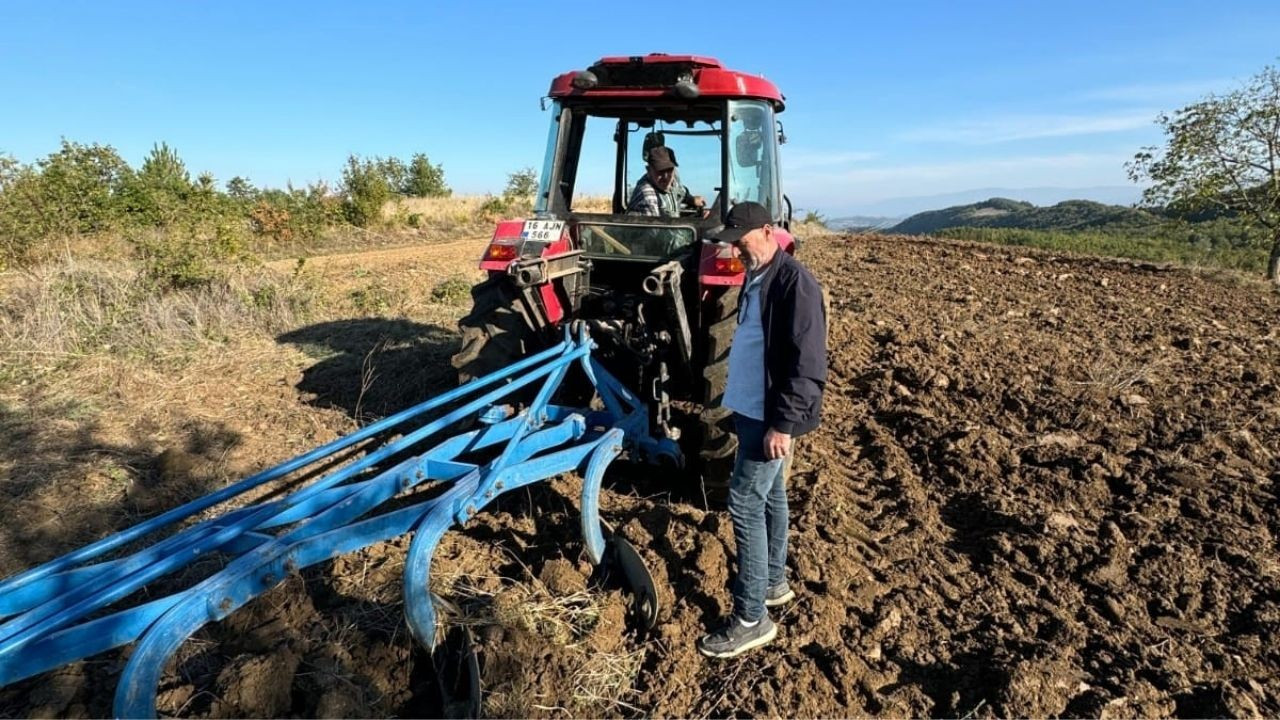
(657, 75)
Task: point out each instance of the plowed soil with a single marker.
(1044, 486)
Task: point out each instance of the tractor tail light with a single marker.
(729, 266)
(727, 262)
(499, 250)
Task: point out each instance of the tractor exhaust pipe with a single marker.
(664, 280)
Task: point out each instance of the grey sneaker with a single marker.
(734, 638)
(779, 594)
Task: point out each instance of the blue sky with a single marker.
(884, 100)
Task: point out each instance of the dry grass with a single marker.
(605, 679)
(1121, 375)
(465, 209)
(73, 308)
(806, 231)
(600, 681)
(528, 606)
(127, 439)
(593, 204)
(454, 210)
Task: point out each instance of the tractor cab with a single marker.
(719, 127)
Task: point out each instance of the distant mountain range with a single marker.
(1000, 212)
(898, 208)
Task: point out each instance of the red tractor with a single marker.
(657, 293)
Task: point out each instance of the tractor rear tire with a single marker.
(495, 333)
(719, 443)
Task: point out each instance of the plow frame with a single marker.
(53, 614)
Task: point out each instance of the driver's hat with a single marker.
(660, 158)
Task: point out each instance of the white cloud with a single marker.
(1028, 127)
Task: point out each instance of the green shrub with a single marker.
(158, 194)
(376, 298)
(240, 190)
(453, 290)
(813, 217)
(370, 183)
(21, 223)
(522, 183)
(190, 255)
(493, 207)
(79, 185)
(1200, 244)
(294, 215)
(366, 189)
(87, 189)
(422, 179)
(74, 190)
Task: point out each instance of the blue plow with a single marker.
(53, 614)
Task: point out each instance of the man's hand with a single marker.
(699, 203)
(777, 445)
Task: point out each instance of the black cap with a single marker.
(743, 218)
(660, 158)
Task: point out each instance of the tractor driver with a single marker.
(659, 193)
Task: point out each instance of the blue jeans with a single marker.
(758, 508)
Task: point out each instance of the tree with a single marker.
(74, 190)
(241, 190)
(424, 179)
(1223, 153)
(521, 183)
(365, 190)
(158, 192)
(78, 187)
(395, 172)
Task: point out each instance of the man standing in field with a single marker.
(777, 372)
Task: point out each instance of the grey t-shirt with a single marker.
(744, 390)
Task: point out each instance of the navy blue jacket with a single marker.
(794, 319)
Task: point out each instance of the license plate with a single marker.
(542, 230)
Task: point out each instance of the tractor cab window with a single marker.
(595, 157)
(726, 152)
(577, 168)
(695, 148)
(542, 201)
(593, 185)
(753, 159)
(634, 242)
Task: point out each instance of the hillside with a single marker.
(905, 206)
(1005, 213)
